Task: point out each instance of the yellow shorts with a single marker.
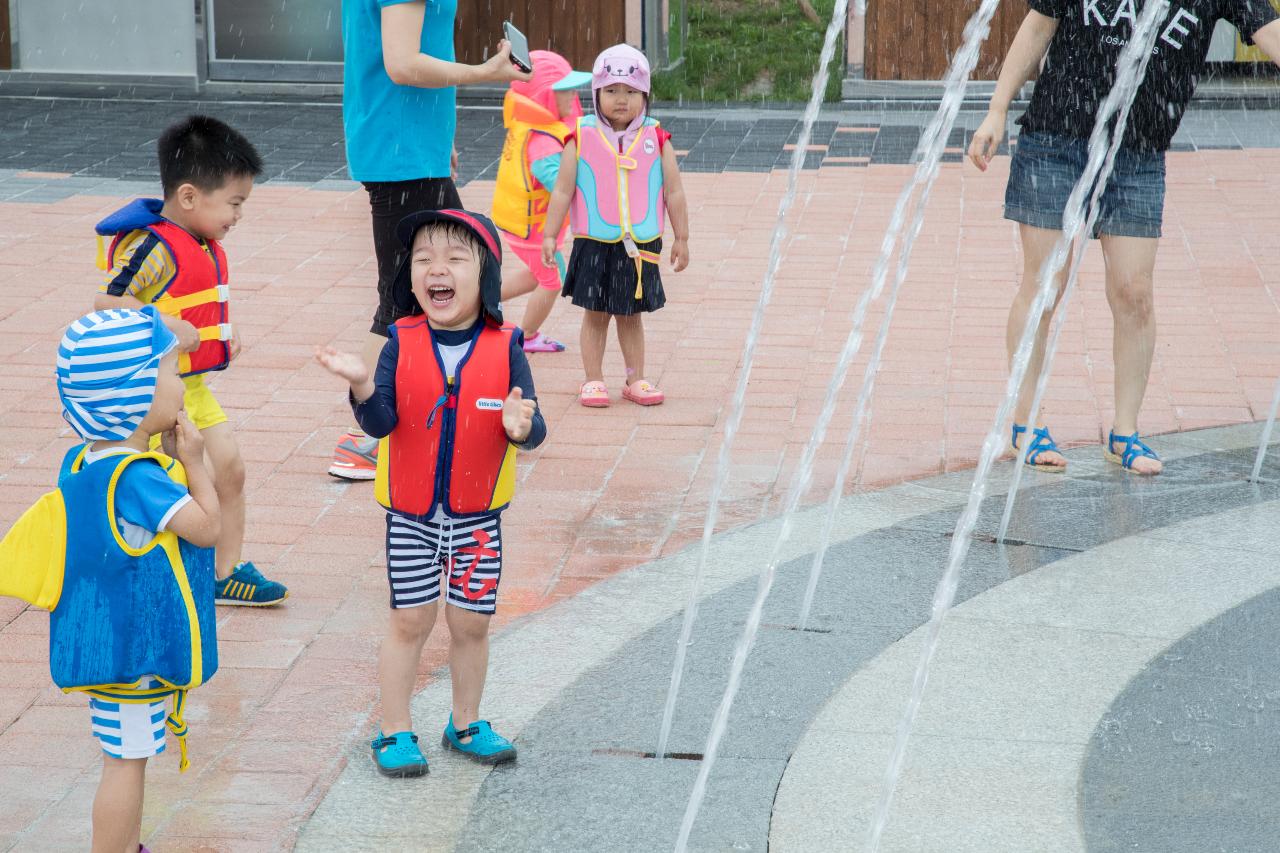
(201, 406)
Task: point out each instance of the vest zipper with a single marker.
(445, 453)
(624, 200)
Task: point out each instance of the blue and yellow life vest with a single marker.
(119, 616)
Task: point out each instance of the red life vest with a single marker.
(449, 446)
(197, 293)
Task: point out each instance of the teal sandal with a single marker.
(1133, 449)
(398, 755)
(1041, 442)
(486, 746)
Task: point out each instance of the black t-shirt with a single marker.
(1081, 64)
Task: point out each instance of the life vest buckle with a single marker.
(224, 331)
(625, 162)
(224, 292)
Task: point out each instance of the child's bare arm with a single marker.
(187, 335)
(1028, 49)
(1268, 38)
(561, 196)
(200, 521)
(677, 207)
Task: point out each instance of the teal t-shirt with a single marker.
(395, 133)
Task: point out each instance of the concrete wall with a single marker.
(635, 25)
(120, 37)
(855, 38)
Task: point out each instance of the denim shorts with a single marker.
(1046, 167)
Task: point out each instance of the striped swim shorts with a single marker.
(127, 729)
(468, 551)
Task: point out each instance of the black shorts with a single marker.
(389, 202)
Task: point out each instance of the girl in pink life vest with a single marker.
(539, 114)
(618, 176)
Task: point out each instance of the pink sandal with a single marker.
(643, 393)
(594, 395)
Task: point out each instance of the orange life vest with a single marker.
(449, 447)
(198, 293)
(520, 202)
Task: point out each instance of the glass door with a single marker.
(295, 41)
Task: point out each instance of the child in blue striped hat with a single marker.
(121, 554)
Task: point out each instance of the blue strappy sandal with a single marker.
(486, 746)
(1041, 442)
(1133, 449)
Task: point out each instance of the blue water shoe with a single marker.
(398, 755)
(486, 746)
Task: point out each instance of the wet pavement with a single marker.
(598, 538)
(302, 142)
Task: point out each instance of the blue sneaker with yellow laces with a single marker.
(486, 746)
(246, 587)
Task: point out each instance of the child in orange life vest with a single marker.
(618, 175)
(452, 399)
(167, 253)
(538, 114)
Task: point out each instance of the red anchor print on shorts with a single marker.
(476, 551)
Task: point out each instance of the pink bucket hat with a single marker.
(621, 63)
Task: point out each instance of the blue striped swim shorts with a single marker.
(127, 729)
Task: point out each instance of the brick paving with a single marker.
(611, 488)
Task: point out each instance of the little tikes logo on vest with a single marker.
(489, 404)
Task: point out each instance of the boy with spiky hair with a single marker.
(167, 253)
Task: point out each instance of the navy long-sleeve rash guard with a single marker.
(377, 415)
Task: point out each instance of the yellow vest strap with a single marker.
(220, 332)
(642, 258)
(178, 304)
(175, 724)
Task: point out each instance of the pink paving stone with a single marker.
(303, 268)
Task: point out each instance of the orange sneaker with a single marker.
(355, 457)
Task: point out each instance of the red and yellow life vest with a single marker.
(520, 202)
(449, 446)
(197, 293)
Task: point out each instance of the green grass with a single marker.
(750, 50)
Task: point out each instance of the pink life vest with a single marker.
(618, 193)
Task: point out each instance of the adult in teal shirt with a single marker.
(399, 113)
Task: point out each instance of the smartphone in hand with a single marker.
(519, 47)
